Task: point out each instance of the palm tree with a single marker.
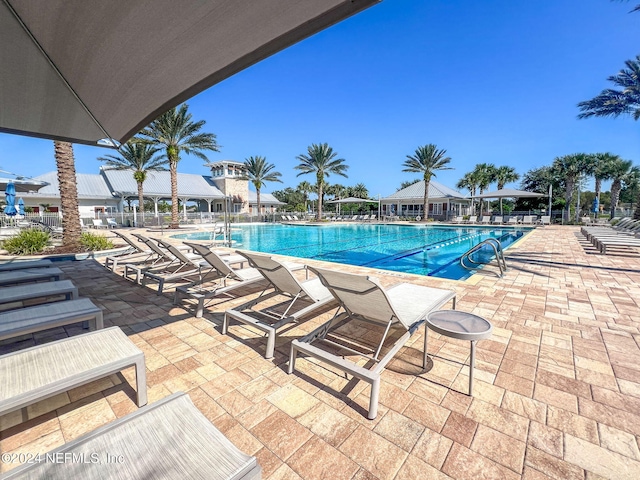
(615, 102)
(485, 175)
(470, 182)
(305, 189)
(176, 132)
(139, 157)
(504, 175)
(427, 160)
(601, 169)
(259, 172)
(71, 228)
(622, 172)
(321, 160)
(359, 190)
(570, 168)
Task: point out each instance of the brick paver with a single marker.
(557, 389)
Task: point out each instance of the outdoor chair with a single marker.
(373, 324)
(135, 255)
(21, 265)
(472, 219)
(512, 221)
(485, 220)
(545, 220)
(111, 223)
(204, 294)
(301, 299)
(457, 219)
(497, 220)
(33, 374)
(14, 297)
(528, 219)
(168, 439)
(29, 275)
(97, 223)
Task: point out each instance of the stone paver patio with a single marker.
(557, 387)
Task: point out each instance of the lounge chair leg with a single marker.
(292, 360)
(271, 344)
(200, 308)
(141, 383)
(225, 324)
(424, 352)
(99, 321)
(373, 399)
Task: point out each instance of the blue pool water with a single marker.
(419, 249)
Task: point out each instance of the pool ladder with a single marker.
(495, 244)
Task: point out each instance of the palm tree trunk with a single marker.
(173, 169)
(320, 180)
(68, 194)
(258, 201)
(568, 195)
(480, 203)
(616, 186)
(141, 203)
(598, 188)
(425, 206)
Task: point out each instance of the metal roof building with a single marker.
(443, 201)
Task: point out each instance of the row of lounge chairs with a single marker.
(369, 320)
(624, 235)
(503, 220)
(352, 218)
(190, 446)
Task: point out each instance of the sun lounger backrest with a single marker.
(359, 295)
(213, 259)
(154, 247)
(275, 272)
(129, 241)
(173, 250)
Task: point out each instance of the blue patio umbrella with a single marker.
(596, 205)
(10, 196)
(20, 206)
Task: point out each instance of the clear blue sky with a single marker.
(493, 81)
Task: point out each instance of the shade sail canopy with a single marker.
(84, 71)
(509, 193)
(353, 200)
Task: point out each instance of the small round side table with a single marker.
(460, 325)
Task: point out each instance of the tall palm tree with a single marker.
(622, 171)
(504, 175)
(570, 168)
(259, 172)
(71, 228)
(177, 133)
(305, 189)
(139, 157)
(427, 160)
(470, 182)
(601, 169)
(485, 175)
(615, 102)
(321, 160)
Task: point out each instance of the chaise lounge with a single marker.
(370, 316)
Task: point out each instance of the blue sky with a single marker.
(493, 81)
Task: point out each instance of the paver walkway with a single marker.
(557, 391)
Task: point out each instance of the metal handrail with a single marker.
(497, 249)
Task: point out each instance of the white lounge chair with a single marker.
(30, 275)
(381, 314)
(545, 220)
(528, 219)
(485, 220)
(43, 317)
(203, 294)
(97, 223)
(111, 223)
(302, 298)
(497, 220)
(472, 219)
(169, 439)
(512, 220)
(33, 374)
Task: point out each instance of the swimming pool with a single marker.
(419, 249)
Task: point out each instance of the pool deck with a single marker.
(557, 387)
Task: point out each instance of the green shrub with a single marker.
(93, 242)
(27, 242)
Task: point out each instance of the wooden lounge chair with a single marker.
(168, 439)
(16, 295)
(302, 299)
(33, 374)
(239, 278)
(371, 316)
(30, 275)
(50, 315)
(21, 265)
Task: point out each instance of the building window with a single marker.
(436, 209)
